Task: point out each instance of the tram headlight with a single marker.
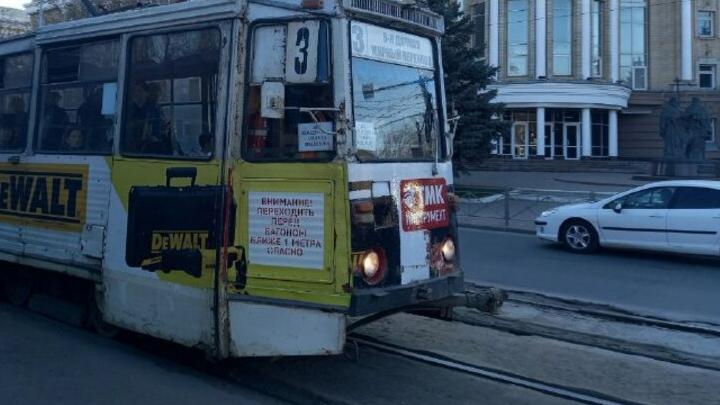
(448, 250)
(373, 266)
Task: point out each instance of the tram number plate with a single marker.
(424, 204)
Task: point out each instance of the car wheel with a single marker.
(579, 237)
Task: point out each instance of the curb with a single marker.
(497, 229)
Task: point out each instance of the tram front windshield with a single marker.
(394, 95)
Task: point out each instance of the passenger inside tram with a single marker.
(94, 124)
(146, 121)
(73, 140)
(55, 121)
(8, 137)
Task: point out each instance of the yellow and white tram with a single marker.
(240, 176)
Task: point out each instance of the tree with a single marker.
(466, 80)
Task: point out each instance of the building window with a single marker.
(706, 76)
(562, 37)
(633, 39)
(15, 84)
(521, 140)
(77, 98)
(596, 38)
(172, 93)
(478, 16)
(600, 133)
(517, 34)
(705, 24)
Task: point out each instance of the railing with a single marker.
(517, 208)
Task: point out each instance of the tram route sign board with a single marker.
(286, 229)
(424, 204)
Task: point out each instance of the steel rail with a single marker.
(555, 390)
(615, 314)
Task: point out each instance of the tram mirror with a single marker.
(272, 99)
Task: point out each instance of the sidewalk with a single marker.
(530, 193)
(612, 182)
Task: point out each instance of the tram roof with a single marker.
(193, 11)
(198, 11)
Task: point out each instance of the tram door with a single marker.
(290, 193)
(168, 196)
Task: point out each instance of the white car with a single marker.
(680, 216)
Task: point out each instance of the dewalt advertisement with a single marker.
(48, 196)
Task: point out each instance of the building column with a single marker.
(612, 133)
(585, 56)
(614, 40)
(687, 63)
(494, 42)
(540, 119)
(586, 132)
(540, 38)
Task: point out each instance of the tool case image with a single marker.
(169, 227)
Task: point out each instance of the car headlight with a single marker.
(548, 212)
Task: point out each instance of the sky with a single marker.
(14, 3)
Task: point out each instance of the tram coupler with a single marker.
(487, 300)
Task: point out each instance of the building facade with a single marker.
(588, 78)
(13, 22)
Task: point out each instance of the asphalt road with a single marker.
(674, 287)
(46, 362)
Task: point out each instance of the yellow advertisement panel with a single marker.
(47, 196)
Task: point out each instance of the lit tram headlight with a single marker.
(448, 250)
(373, 266)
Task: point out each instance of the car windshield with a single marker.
(394, 101)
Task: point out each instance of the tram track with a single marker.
(616, 315)
(616, 344)
(555, 390)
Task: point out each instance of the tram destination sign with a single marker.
(385, 45)
(424, 204)
(287, 229)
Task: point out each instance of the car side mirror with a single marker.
(618, 207)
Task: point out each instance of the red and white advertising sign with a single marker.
(424, 204)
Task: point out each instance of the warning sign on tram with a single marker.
(287, 229)
(424, 204)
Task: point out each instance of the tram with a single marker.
(238, 176)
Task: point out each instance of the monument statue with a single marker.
(684, 132)
(698, 129)
(671, 129)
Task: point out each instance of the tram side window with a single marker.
(15, 84)
(172, 95)
(77, 99)
(297, 55)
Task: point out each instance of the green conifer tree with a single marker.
(466, 80)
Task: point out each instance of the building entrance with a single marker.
(571, 141)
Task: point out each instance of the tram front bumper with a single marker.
(370, 301)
